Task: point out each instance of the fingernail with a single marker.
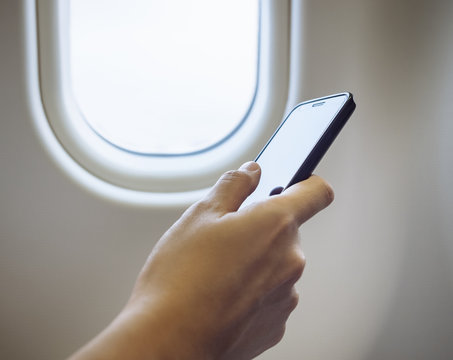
(250, 166)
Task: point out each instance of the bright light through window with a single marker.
(161, 76)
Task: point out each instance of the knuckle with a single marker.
(235, 175)
(278, 335)
(293, 300)
(328, 193)
(298, 264)
(200, 207)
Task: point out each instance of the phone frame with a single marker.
(322, 145)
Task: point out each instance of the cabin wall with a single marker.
(378, 281)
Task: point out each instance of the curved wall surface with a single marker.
(378, 281)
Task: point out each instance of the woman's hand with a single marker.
(219, 284)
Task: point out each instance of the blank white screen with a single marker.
(293, 143)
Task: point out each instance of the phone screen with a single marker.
(292, 143)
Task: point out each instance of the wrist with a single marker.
(164, 330)
(144, 332)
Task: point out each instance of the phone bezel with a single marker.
(326, 139)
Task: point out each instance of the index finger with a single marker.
(306, 198)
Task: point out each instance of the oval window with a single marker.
(164, 77)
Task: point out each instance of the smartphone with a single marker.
(299, 143)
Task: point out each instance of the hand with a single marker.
(220, 283)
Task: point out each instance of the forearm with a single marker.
(136, 336)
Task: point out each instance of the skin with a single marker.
(219, 284)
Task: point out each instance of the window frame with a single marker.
(170, 177)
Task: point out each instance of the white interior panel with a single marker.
(378, 281)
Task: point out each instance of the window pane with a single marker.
(164, 77)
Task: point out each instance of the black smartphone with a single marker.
(299, 143)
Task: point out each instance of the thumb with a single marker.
(233, 187)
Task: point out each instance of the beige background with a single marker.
(378, 283)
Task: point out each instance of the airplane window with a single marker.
(137, 91)
(164, 77)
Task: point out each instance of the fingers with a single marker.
(233, 187)
(305, 198)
